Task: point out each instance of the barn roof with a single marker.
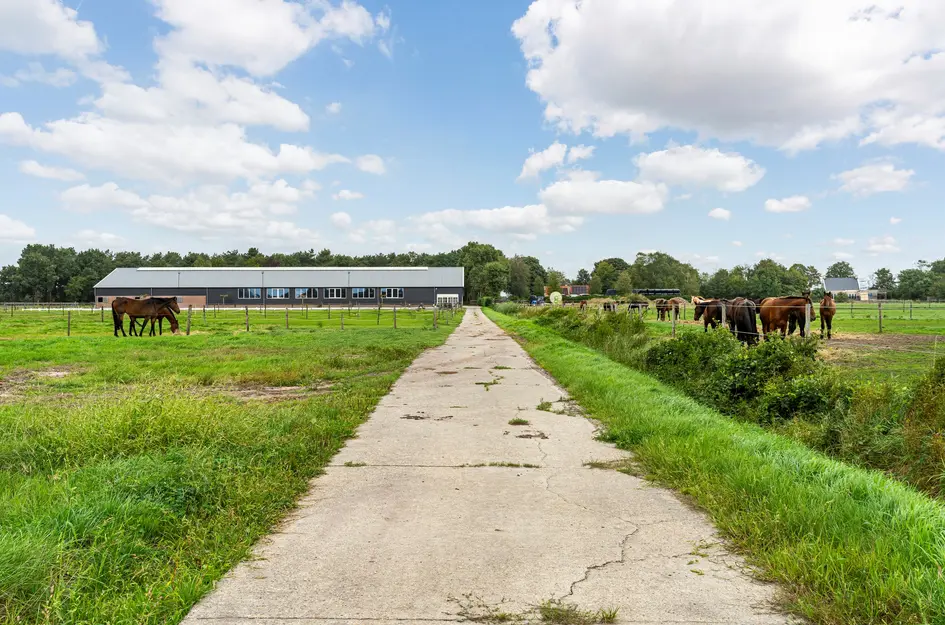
(841, 284)
(290, 277)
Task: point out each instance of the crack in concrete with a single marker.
(603, 565)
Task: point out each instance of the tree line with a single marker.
(47, 273)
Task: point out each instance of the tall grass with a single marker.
(849, 546)
(130, 485)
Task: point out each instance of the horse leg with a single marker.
(829, 327)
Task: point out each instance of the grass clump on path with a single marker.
(136, 476)
(847, 545)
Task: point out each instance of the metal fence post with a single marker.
(247, 318)
(880, 307)
(69, 324)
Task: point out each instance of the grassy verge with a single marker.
(849, 546)
(135, 473)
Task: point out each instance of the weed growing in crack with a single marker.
(355, 464)
(554, 611)
(501, 367)
(545, 406)
(518, 421)
(488, 384)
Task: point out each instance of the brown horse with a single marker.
(675, 305)
(662, 308)
(137, 308)
(163, 314)
(640, 307)
(828, 308)
(710, 310)
(778, 312)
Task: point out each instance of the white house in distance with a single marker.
(851, 288)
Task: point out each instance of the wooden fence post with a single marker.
(342, 321)
(103, 314)
(286, 317)
(395, 317)
(329, 311)
(205, 313)
(247, 318)
(807, 311)
(910, 310)
(190, 310)
(880, 308)
(69, 324)
(675, 316)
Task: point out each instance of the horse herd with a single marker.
(153, 309)
(777, 314)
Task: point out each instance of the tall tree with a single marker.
(662, 271)
(554, 280)
(624, 283)
(605, 274)
(840, 269)
(884, 280)
(583, 277)
(518, 278)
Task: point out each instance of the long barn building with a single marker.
(293, 286)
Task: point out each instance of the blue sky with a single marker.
(156, 125)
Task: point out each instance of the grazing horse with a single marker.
(741, 317)
(778, 312)
(610, 306)
(662, 308)
(163, 313)
(711, 312)
(583, 306)
(828, 308)
(136, 308)
(676, 304)
(640, 307)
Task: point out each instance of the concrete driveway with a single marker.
(441, 510)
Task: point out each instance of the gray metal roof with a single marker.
(290, 277)
(841, 284)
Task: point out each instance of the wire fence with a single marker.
(18, 321)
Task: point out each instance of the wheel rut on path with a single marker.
(438, 500)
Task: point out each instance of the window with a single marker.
(248, 293)
(362, 293)
(306, 293)
(277, 293)
(392, 293)
(336, 293)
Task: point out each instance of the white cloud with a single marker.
(86, 198)
(881, 245)
(537, 162)
(689, 165)
(737, 243)
(580, 152)
(604, 196)
(35, 72)
(14, 231)
(720, 213)
(38, 27)
(523, 223)
(32, 168)
(375, 232)
(793, 204)
(874, 178)
(789, 73)
(895, 221)
(334, 108)
(99, 239)
(371, 163)
(340, 220)
(345, 194)
(842, 255)
(844, 242)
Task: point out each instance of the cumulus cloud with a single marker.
(844, 242)
(882, 245)
(720, 213)
(788, 73)
(371, 163)
(86, 198)
(32, 168)
(345, 194)
(895, 221)
(537, 162)
(14, 231)
(40, 27)
(874, 178)
(580, 152)
(690, 165)
(340, 220)
(737, 243)
(520, 222)
(793, 204)
(334, 108)
(582, 196)
(842, 255)
(99, 239)
(35, 72)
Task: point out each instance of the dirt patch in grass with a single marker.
(16, 384)
(270, 394)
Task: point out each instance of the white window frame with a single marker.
(397, 290)
(306, 293)
(335, 292)
(277, 292)
(363, 292)
(252, 292)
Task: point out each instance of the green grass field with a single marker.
(134, 472)
(849, 546)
